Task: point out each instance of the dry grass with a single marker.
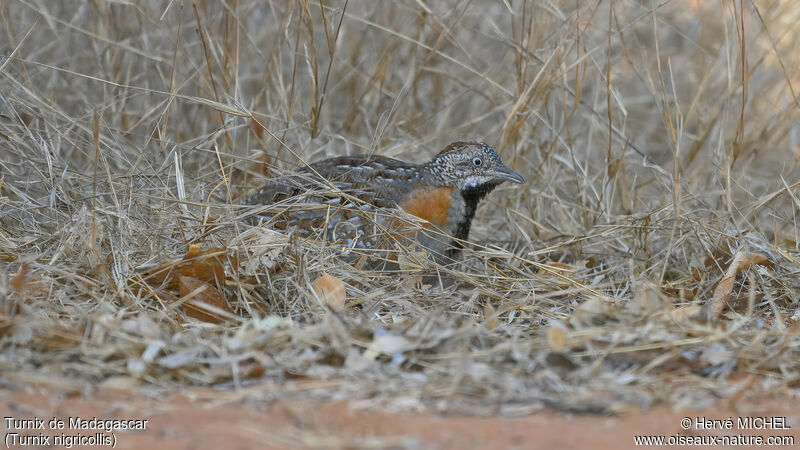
(130, 131)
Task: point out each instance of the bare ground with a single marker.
(205, 419)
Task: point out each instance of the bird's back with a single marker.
(356, 201)
(376, 180)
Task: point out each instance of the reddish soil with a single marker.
(176, 422)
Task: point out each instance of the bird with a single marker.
(362, 202)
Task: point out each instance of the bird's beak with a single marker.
(503, 173)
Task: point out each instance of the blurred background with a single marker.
(573, 94)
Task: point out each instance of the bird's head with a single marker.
(471, 166)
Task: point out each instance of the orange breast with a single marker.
(429, 204)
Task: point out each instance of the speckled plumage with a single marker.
(354, 200)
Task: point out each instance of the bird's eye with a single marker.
(477, 162)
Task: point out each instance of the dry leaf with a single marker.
(202, 292)
(491, 320)
(742, 261)
(330, 290)
(203, 264)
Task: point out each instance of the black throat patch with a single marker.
(471, 195)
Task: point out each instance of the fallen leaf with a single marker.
(205, 293)
(330, 290)
(742, 261)
(205, 265)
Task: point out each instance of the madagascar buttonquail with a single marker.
(355, 202)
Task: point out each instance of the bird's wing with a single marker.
(377, 180)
